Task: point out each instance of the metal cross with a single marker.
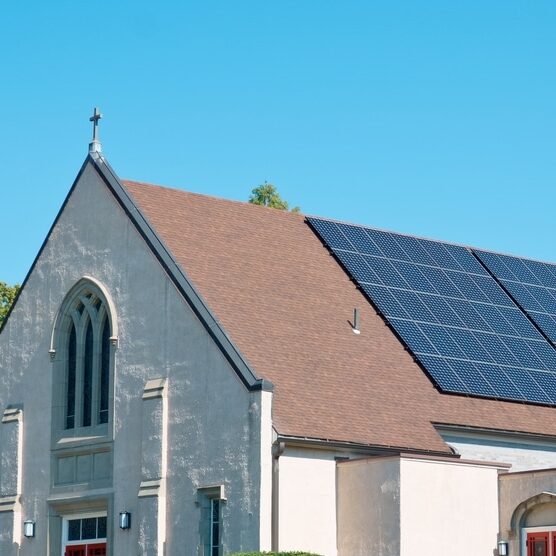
(95, 118)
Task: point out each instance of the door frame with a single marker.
(525, 530)
(80, 515)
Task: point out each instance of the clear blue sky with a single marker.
(436, 118)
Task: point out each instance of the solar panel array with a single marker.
(452, 314)
(531, 283)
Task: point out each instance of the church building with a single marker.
(183, 375)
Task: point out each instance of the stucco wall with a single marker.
(307, 501)
(543, 515)
(214, 423)
(369, 507)
(525, 502)
(394, 506)
(448, 508)
(521, 452)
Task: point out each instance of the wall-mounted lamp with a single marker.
(502, 548)
(125, 520)
(29, 528)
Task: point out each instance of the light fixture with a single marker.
(125, 520)
(502, 548)
(29, 528)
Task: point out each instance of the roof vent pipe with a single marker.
(355, 328)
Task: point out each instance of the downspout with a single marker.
(277, 451)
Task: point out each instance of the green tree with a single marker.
(7, 296)
(267, 195)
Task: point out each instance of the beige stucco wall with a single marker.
(214, 424)
(369, 507)
(448, 508)
(403, 506)
(527, 499)
(307, 502)
(543, 515)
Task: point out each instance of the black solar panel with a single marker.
(531, 283)
(451, 313)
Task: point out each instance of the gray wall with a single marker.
(213, 421)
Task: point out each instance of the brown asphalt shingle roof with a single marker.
(286, 304)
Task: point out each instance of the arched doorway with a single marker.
(534, 522)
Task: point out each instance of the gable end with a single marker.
(178, 276)
(173, 270)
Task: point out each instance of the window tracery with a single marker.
(84, 339)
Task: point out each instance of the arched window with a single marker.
(83, 340)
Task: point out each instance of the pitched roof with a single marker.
(286, 304)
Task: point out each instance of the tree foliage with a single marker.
(267, 195)
(7, 296)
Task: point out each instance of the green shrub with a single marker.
(273, 554)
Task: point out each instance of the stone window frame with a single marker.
(86, 286)
(206, 496)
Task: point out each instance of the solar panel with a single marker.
(531, 283)
(455, 318)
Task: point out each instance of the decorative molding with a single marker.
(149, 489)
(11, 415)
(217, 492)
(9, 503)
(154, 389)
(72, 295)
(11, 442)
(86, 498)
(524, 507)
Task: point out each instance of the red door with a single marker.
(80, 550)
(537, 544)
(98, 549)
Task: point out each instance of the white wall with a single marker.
(448, 508)
(369, 507)
(521, 452)
(406, 506)
(307, 502)
(266, 432)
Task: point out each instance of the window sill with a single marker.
(81, 437)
